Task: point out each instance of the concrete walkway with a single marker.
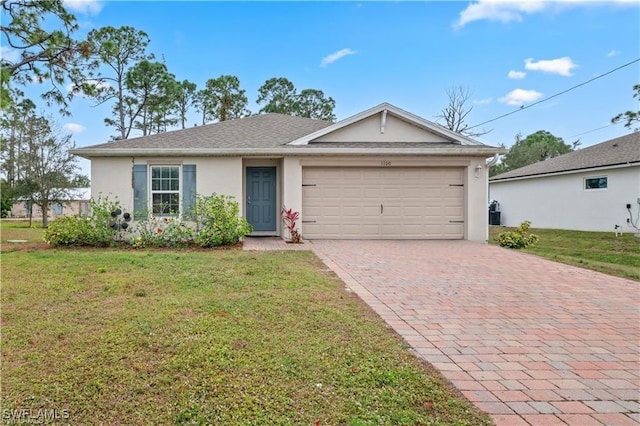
(530, 341)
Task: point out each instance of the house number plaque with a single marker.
(385, 163)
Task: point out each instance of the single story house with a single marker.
(381, 174)
(592, 189)
(77, 203)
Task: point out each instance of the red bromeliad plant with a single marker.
(290, 218)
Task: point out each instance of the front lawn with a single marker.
(599, 251)
(205, 337)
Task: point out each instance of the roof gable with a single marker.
(385, 123)
(369, 129)
(614, 152)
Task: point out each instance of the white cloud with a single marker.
(88, 7)
(506, 11)
(73, 128)
(520, 97)
(612, 53)
(9, 54)
(98, 84)
(329, 59)
(484, 101)
(561, 66)
(516, 75)
(500, 11)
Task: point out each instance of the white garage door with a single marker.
(382, 203)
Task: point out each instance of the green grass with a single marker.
(20, 230)
(599, 251)
(206, 337)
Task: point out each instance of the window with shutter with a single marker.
(167, 189)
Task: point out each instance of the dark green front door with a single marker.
(261, 198)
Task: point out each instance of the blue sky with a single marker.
(405, 52)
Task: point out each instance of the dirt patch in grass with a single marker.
(206, 337)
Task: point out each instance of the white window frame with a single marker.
(586, 188)
(151, 191)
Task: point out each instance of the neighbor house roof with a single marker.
(69, 194)
(279, 134)
(615, 152)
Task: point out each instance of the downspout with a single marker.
(133, 190)
(492, 162)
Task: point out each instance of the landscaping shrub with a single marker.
(69, 231)
(93, 230)
(215, 221)
(218, 221)
(519, 238)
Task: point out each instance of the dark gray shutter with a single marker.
(188, 188)
(140, 199)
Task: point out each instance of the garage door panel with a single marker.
(454, 212)
(346, 202)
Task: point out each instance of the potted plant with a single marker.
(290, 218)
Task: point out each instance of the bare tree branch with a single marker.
(456, 112)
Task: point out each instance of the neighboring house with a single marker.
(587, 190)
(381, 174)
(77, 203)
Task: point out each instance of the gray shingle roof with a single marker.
(622, 150)
(259, 131)
(271, 134)
(374, 145)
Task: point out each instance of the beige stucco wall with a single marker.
(112, 177)
(222, 175)
(368, 130)
(477, 188)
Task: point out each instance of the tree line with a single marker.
(148, 98)
(113, 66)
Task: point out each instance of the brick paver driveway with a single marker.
(527, 340)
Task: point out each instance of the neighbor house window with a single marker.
(57, 209)
(595, 183)
(165, 190)
(84, 208)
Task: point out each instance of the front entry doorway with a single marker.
(261, 198)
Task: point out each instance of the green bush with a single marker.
(93, 230)
(215, 221)
(518, 238)
(218, 221)
(69, 231)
